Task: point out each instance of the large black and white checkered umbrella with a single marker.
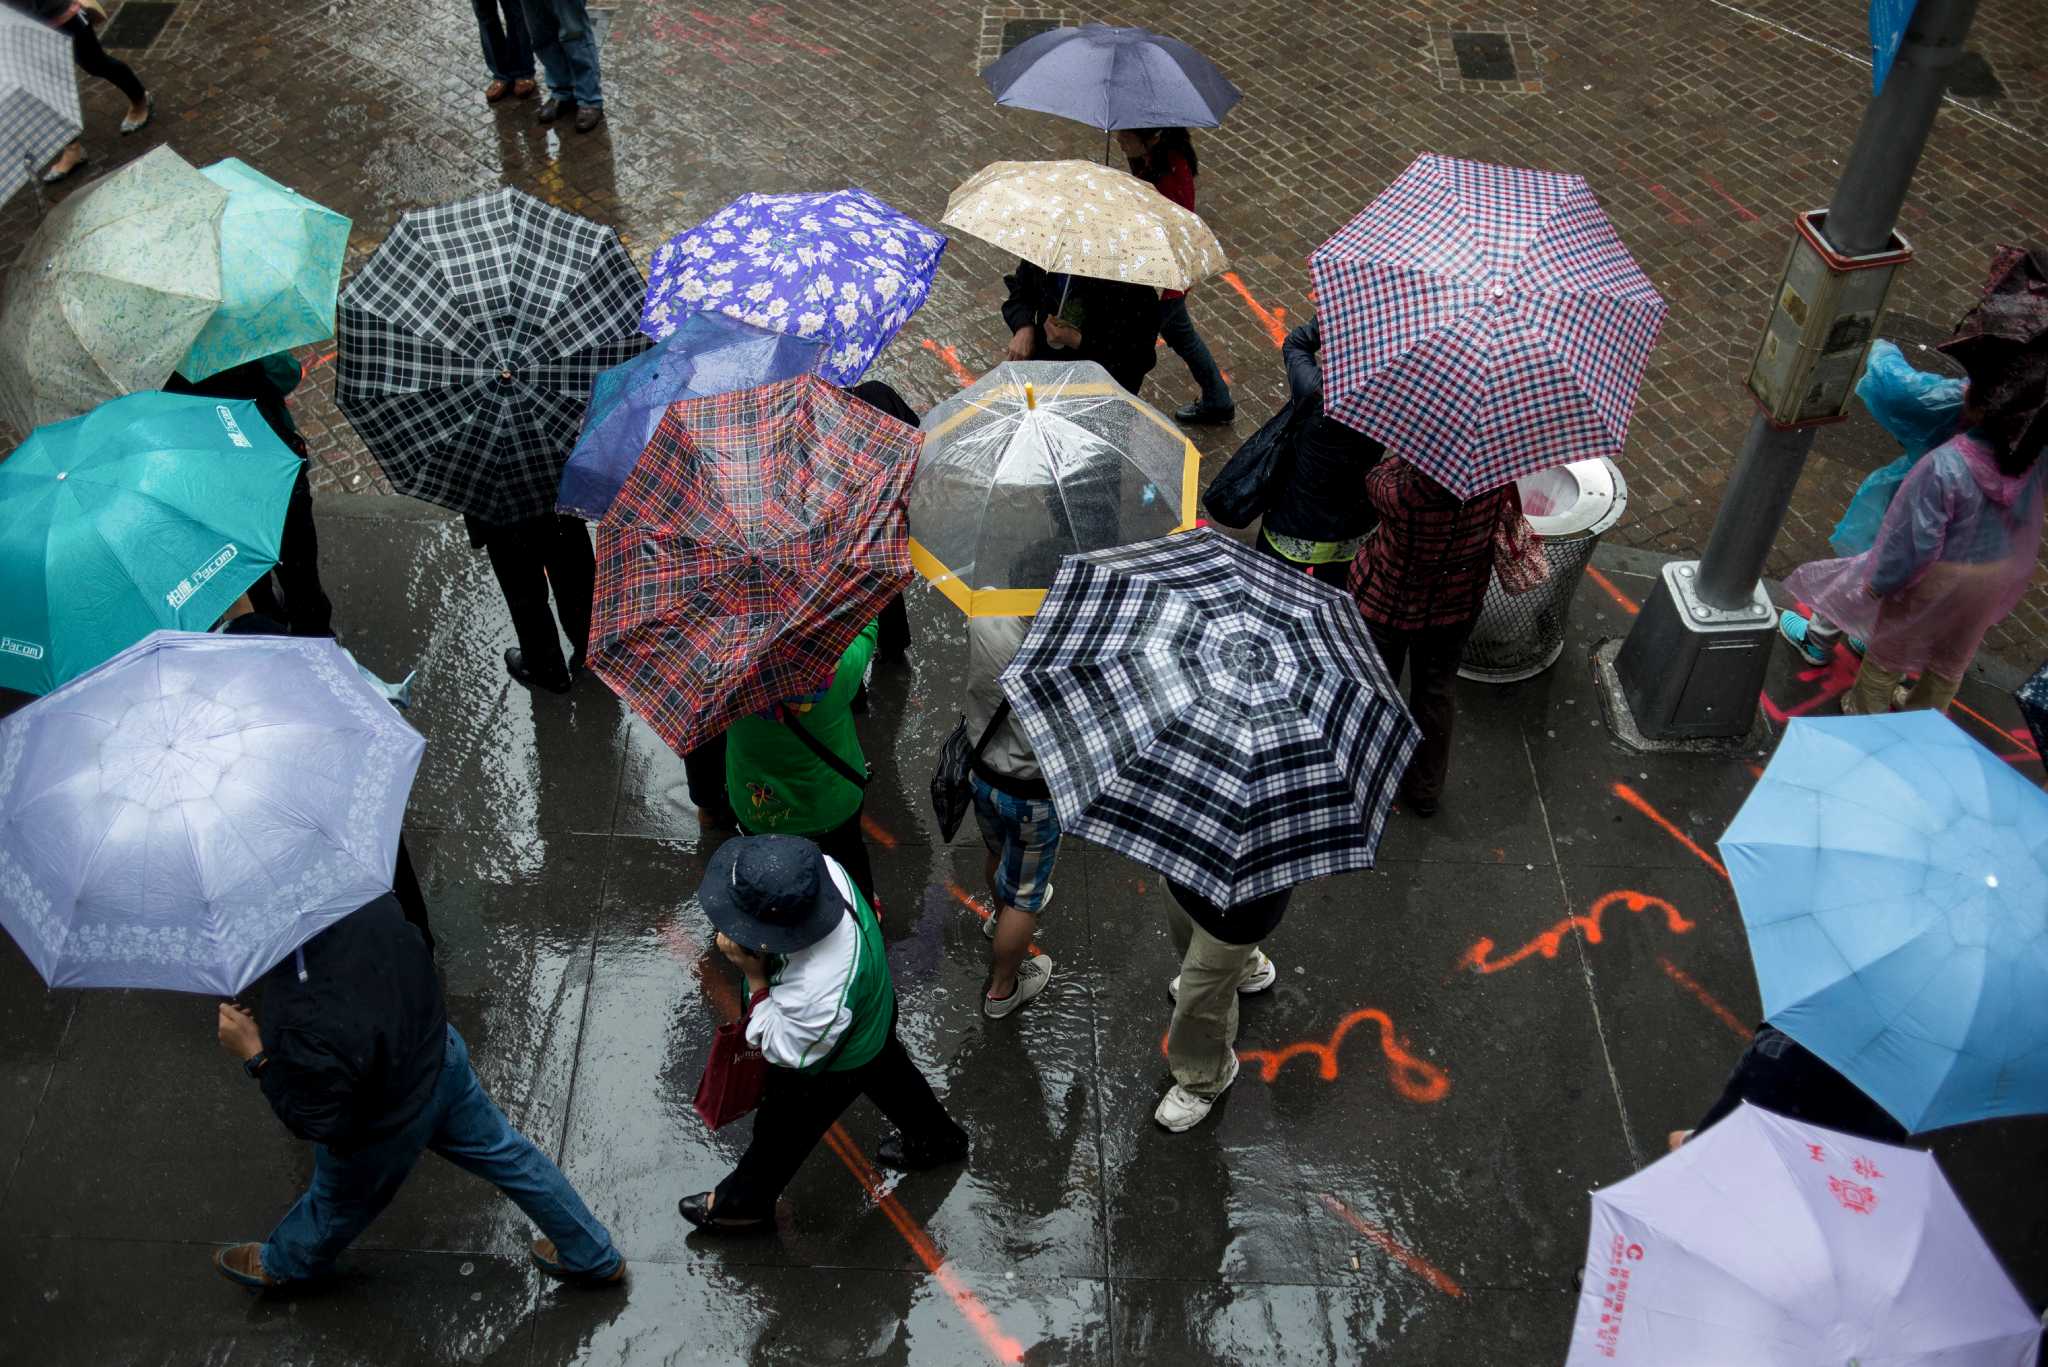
(38, 98)
(1212, 713)
(469, 342)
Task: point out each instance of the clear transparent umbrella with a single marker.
(1036, 461)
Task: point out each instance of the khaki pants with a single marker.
(1205, 1016)
(1872, 694)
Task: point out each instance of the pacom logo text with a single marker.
(182, 594)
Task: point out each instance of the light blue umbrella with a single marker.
(707, 354)
(196, 808)
(280, 270)
(153, 510)
(1893, 874)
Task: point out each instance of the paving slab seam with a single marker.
(49, 1075)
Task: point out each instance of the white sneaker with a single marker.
(1259, 974)
(988, 922)
(1182, 1110)
(1032, 976)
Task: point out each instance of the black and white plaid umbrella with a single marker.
(1209, 712)
(38, 98)
(469, 342)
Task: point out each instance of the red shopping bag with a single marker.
(734, 1076)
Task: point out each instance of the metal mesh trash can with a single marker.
(2033, 700)
(1519, 636)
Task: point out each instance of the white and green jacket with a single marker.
(833, 995)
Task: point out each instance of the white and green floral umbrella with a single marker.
(109, 294)
(1077, 218)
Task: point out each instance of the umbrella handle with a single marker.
(299, 956)
(1030, 397)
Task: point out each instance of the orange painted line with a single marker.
(1706, 998)
(1414, 1078)
(2009, 737)
(1830, 681)
(1393, 1248)
(1627, 604)
(877, 832)
(1635, 800)
(308, 367)
(968, 900)
(1479, 958)
(1275, 320)
(725, 1000)
(952, 359)
(1737, 205)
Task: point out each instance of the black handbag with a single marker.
(1244, 488)
(952, 791)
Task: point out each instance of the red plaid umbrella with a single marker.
(1484, 322)
(761, 530)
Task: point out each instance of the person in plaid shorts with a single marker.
(1420, 581)
(1013, 807)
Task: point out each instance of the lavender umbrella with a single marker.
(1113, 78)
(707, 354)
(840, 266)
(196, 808)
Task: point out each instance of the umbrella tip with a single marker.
(1030, 396)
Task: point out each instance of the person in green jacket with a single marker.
(798, 768)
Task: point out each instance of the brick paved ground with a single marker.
(1701, 127)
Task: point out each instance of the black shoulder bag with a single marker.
(952, 791)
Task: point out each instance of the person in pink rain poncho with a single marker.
(1957, 547)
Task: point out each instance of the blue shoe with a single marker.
(1792, 627)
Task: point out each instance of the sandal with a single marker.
(137, 125)
(496, 91)
(56, 177)
(697, 1210)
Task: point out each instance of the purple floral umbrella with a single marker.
(842, 267)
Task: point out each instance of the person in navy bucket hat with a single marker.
(822, 1010)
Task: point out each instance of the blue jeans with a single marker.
(1179, 331)
(562, 39)
(507, 54)
(462, 1125)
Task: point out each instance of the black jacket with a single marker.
(1323, 498)
(1120, 326)
(355, 1050)
(261, 382)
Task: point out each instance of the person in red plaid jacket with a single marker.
(1419, 581)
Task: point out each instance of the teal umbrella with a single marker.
(151, 511)
(280, 269)
(110, 291)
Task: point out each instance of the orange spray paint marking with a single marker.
(1275, 320)
(877, 832)
(1831, 681)
(1414, 1078)
(725, 1001)
(308, 367)
(1741, 210)
(1626, 603)
(1635, 800)
(1479, 958)
(968, 900)
(952, 359)
(1392, 1247)
(1706, 998)
(2015, 736)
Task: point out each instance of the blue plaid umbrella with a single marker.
(841, 266)
(708, 354)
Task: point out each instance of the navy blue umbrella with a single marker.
(1113, 78)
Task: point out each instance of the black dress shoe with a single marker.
(552, 109)
(1201, 415)
(515, 665)
(1419, 806)
(589, 117)
(894, 1153)
(697, 1210)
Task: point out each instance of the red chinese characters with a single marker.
(1614, 1297)
(1860, 1199)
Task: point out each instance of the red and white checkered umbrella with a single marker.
(1483, 322)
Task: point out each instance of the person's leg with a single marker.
(1393, 648)
(474, 1135)
(572, 574)
(345, 1195)
(496, 45)
(1932, 692)
(578, 41)
(405, 887)
(518, 47)
(894, 621)
(307, 607)
(1023, 840)
(95, 60)
(846, 844)
(543, 36)
(1433, 700)
(796, 1110)
(900, 1092)
(704, 767)
(523, 579)
(1871, 695)
(1198, 1043)
(1179, 331)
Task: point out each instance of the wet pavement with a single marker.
(1514, 1008)
(1701, 128)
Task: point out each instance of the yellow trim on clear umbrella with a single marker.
(973, 602)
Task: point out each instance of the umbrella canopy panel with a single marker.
(153, 510)
(1034, 462)
(1893, 877)
(1110, 77)
(1211, 713)
(1771, 1243)
(280, 267)
(1077, 218)
(469, 344)
(761, 531)
(38, 98)
(840, 266)
(109, 294)
(1484, 322)
(196, 808)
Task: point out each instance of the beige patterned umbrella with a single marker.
(1077, 218)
